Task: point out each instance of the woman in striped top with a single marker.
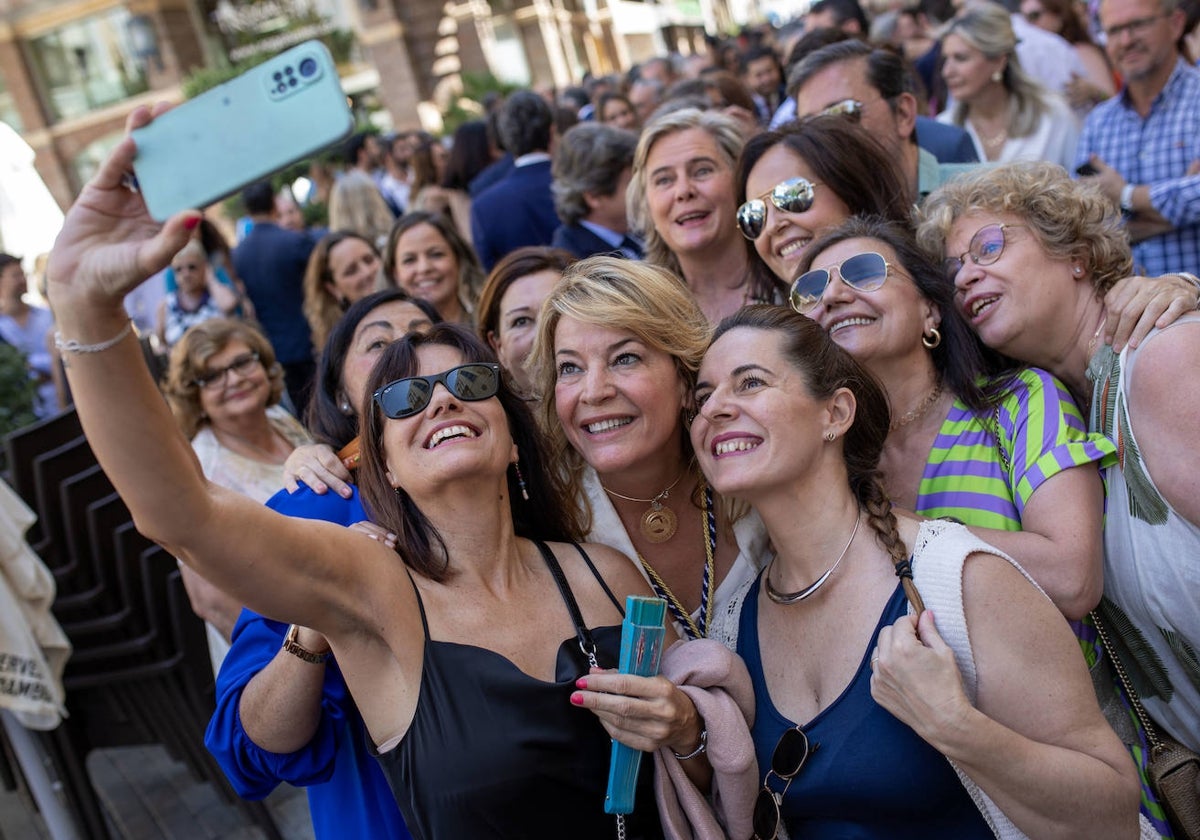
(1004, 450)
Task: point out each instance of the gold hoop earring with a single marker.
(933, 339)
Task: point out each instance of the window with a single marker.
(88, 64)
(8, 108)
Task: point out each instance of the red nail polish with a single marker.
(577, 699)
(581, 682)
(191, 222)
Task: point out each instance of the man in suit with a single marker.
(591, 169)
(271, 263)
(518, 209)
(875, 88)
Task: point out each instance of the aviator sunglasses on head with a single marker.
(795, 195)
(790, 755)
(864, 272)
(409, 396)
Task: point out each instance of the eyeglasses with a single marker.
(852, 109)
(787, 761)
(471, 382)
(864, 272)
(985, 248)
(215, 379)
(795, 195)
(1135, 28)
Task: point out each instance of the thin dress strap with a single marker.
(586, 644)
(420, 603)
(599, 579)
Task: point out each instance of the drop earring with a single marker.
(521, 481)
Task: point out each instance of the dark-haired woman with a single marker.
(806, 178)
(1003, 450)
(282, 717)
(429, 259)
(344, 267)
(860, 701)
(453, 651)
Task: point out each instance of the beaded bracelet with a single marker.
(70, 345)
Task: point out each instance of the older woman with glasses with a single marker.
(808, 177)
(453, 651)
(1032, 254)
(854, 724)
(224, 386)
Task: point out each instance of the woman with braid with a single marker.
(859, 700)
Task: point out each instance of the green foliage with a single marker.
(339, 41)
(468, 105)
(16, 391)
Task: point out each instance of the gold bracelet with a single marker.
(70, 345)
(292, 646)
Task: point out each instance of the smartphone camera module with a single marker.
(308, 68)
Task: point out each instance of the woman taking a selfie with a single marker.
(470, 616)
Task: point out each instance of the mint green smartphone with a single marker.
(284, 110)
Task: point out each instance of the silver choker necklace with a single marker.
(786, 598)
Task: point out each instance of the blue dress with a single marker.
(348, 795)
(872, 776)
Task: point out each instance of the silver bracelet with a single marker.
(1193, 279)
(703, 746)
(70, 345)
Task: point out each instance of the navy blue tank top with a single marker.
(495, 753)
(873, 776)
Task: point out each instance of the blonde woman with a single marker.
(614, 363)
(1008, 114)
(356, 204)
(682, 198)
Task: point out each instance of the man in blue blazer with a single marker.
(592, 166)
(518, 209)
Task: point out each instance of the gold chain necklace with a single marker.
(708, 583)
(920, 411)
(659, 523)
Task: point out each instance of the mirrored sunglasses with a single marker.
(864, 272)
(985, 248)
(790, 755)
(795, 195)
(852, 109)
(470, 382)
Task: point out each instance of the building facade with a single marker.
(72, 70)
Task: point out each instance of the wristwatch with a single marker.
(1127, 197)
(292, 646)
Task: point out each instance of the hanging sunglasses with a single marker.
(795, 195)
(471, 382)
(790, 755)
(851, 109)
(864, 272)
(985, 248)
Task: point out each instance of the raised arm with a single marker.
(1035, 740)
(314, 573)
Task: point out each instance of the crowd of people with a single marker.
(867, 344)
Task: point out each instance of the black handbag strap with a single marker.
(586, 643)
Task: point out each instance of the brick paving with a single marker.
(148, 796)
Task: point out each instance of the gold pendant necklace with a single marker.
(659, 523)
(920, 410)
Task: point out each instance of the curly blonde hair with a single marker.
(623, 294)
(189, 360)
(1071, 219)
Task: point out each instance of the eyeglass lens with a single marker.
(850, 108)
(985, 248)
(865, 272)
(787, 761)
(217, 378)
(794, 195)
(406, 397)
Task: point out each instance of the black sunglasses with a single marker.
(795, 195)
(790, 755)
(409, 396)
(865, 272)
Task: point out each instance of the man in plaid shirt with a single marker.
(1145, 142)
